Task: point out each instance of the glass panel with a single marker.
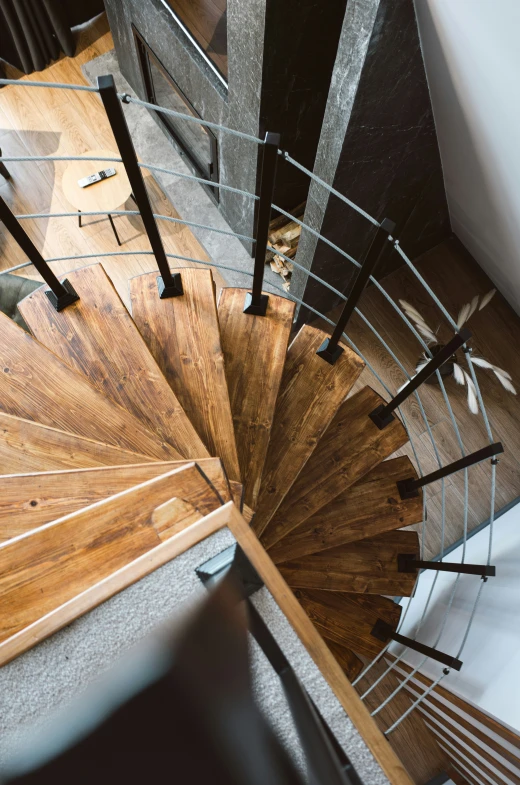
(207, 23)
(196, 141)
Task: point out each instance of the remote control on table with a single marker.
(96, 178)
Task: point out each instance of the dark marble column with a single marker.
(378, 147)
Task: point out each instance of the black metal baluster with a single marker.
(382, 416)
(406, 562)
(330, 349)
(256, 302)
(62, 293)
(169, 284)
(384, 632)
(410, 487)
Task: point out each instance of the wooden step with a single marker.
(351, 664)
(27, 446)
(371, 506)
(366, 566)
(349, 449)
(310, 394)
(97, 337)
(183, 335)
(41, 570)
(237, 492)
(254, 353)
(36, 385)
(348, 619)
(31, 500)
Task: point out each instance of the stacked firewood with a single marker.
(284, 236)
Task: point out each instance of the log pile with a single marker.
(284, 236)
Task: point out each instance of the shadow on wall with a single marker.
(474, 130)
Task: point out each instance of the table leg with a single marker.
(114, 228)
(79, 218)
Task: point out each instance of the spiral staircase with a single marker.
(127, 428)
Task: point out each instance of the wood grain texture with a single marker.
(97, 337)
(369, 507)
(41, 570)
(36, 385)
(367, 566)
(27, 446)
(349, 449)
(351, 664)
(254, 353)
(318, 650)
(310, 394)
(31, 500)
(183, 335)
(348, 619)
(97, 593)
(237, 492)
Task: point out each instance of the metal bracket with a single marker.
(61, 302)
(406, 562)
(381, 422)
(329, 356)
(384, 632)
(405, 490)
(256, 310)
(232, 561)
(175, 290)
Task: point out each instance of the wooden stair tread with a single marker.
(43, 569)
(371, 506)
(349, 449)
(183, 335)
(237, 492)
(27, 446)
(310, 394)
(366, 566)
(348, 619)
(28, 501)
(97, 337)
(254, 353)
(36, 385)
(351, 664)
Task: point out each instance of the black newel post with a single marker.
(330, 349)
(256, 302)
(170, 285)
(60, 294)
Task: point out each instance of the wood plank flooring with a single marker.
(31, 500)
(351, 446)
(183, 336)
(43, 569)
(254, 355)
(98, 338)
(36, 385)
(370, 507)
(28, 446)
(310, 394)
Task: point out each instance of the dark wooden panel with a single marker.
(183, 335)
(349, 449)
(254, 352)
(370, 507)
(348, 619)
(366, 566)
(351, 664)
(97, 337)
(310, 394)
(36, 385)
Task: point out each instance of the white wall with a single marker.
(491, 657)
(472, 58)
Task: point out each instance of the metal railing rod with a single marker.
(169, 285)
(382, 416)
(410, 487)
(13, 158)
(256, 302)
(221, 186)
(330, 349)
(61, 294)
(57, 85)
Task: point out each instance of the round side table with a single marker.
(105, 196)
